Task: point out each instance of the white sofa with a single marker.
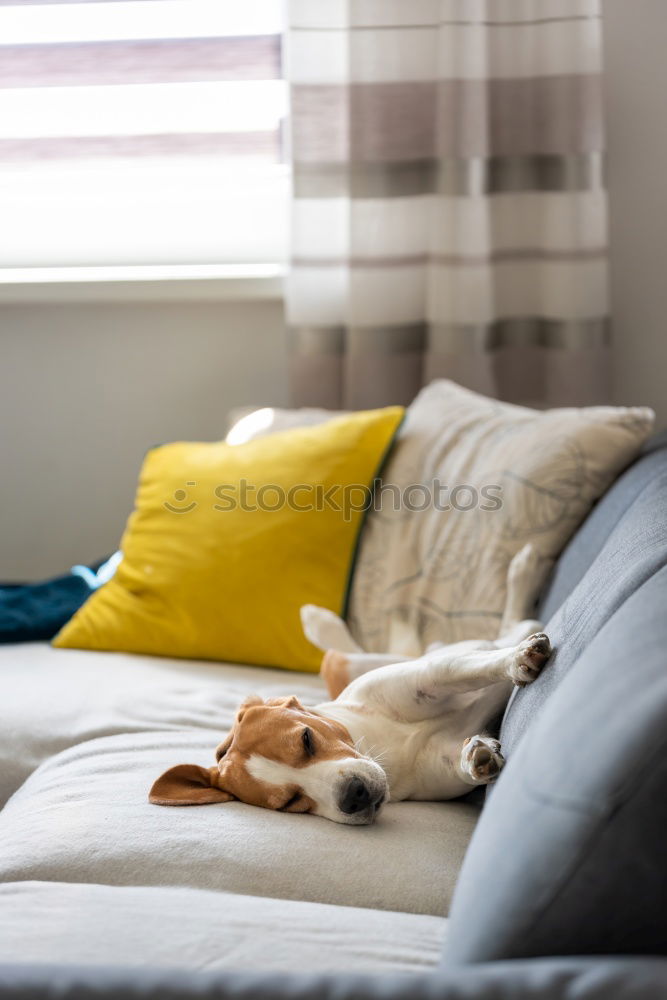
(91, 873)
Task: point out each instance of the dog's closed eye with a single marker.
(308, 742)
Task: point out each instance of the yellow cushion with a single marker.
(215, 569)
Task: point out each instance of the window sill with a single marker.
(143, 283)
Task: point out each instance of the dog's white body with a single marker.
(397, 729)
(417, 719)
(424, 720)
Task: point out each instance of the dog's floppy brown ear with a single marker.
(188, 785)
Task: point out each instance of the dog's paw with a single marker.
(528, 659)
(481, 759)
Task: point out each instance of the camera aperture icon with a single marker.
(180, 496)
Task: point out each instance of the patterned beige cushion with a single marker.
(439, 575)
(443, 572)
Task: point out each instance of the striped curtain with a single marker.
(141, 132)
(449, 212)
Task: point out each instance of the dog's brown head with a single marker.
(283, 756)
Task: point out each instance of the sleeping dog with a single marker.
(393, 730)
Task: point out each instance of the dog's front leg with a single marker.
(419, 689)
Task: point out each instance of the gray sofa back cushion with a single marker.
(621, 544)
(587, 543)
(569, 855)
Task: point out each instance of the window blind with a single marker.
(141, 132)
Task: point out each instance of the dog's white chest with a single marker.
(418, 758)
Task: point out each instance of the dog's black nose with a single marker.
(356, 796)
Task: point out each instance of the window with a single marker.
(138, 132)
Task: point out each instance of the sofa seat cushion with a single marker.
(55, 698)
(187, 929)
(84, 816)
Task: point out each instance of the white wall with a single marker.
(86, 389)
(636, 81)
